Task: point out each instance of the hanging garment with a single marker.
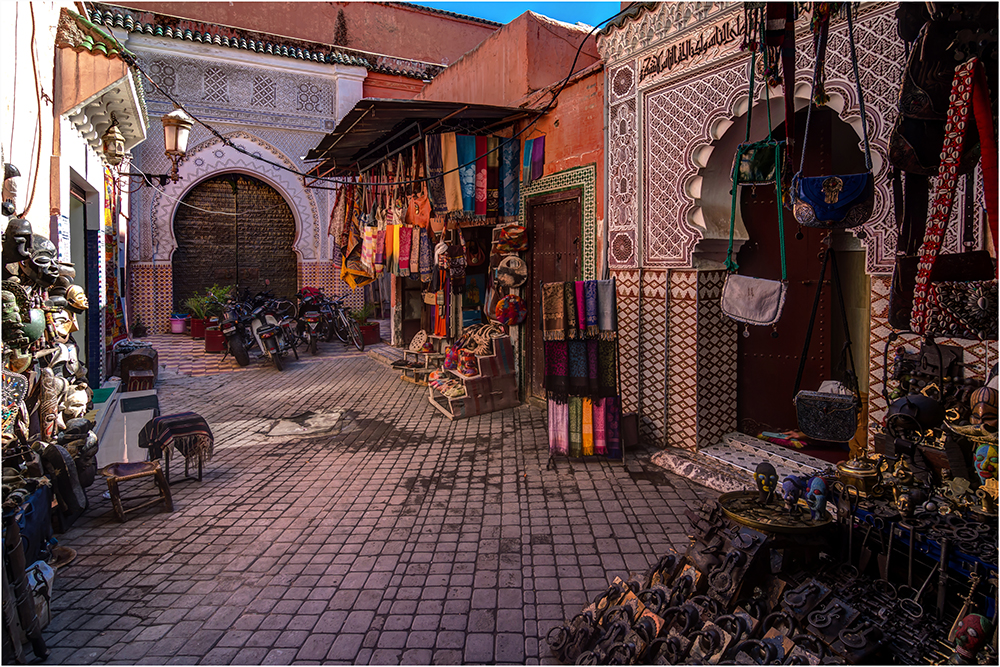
(577, 353)
(405, 247)
(466, 145)
(415, 253)
(600, 441)
(424, 261)
(435, 167)
(607, 310)
(590, 308)
(392, 237)
(593, 368)
(612, 426)
(571, 321)
(492, 177)
(607, 371)
(575, 426)
(379, 258)
(537, 158)
(558, 428)
(556, 377)
(368, 248)
(588, 427)
(338, 216)
(510, 192)
(481, 176)
(554, 311)
(581, 309)
(452, 180)
(526, 166)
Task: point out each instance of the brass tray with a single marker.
(742, 507)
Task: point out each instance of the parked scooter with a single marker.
(275, 336)
(235, 326)
(312, 324)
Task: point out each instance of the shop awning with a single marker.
(376, 129)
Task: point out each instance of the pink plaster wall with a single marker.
(404, 32)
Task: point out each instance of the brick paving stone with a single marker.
(399, 536)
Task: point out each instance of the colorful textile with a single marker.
(379, 258)
(588, 427)
(435, 167)
(480, 175)
(114, 315)
(424, 264)
(607, 310)
(593, 368)
(537, 159)
(612, 426)
(415, 252)
(187, 432)
(607, 371)
(492, 177)
(590, 308)
(405, 240)
(338, 216)
(577, 354)
(466, 145)
(600, 440)
(556, 377)
(452, 180)
(581, 308)
(575, 426)
(368, 248)
(558, 428)
(571, 322)
(554, 311)
(526, 165)
(510, 192)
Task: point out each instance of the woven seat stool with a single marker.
(122, 472)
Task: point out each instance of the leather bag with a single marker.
(839, 201)
(753, 300)
(755, 162)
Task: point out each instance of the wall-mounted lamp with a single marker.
(113, 143)
(176, 131)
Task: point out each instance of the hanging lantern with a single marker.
(113, 143)
(176, 130)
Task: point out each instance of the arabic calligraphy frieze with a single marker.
(705, 45)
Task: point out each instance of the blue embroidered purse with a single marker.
(838, 201)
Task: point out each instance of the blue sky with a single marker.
(589, 12)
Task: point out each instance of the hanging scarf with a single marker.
(492, 177)
(581, 309)
(554, 311)
(351, 208)
(510, 199)
(393, 238)
(435, 167)
(526, 166)
(612, 427)
(590, 307)
(452, 180)
(575, 426)
(607, 310)
(588, 427)
(537, 158)
(415, 253)
(368, 249)
(425, 266)
(481, 176)
(569, 295)
(607, 371)
(558, 428)
(600, 441)
(405, 241)
(338, 216)
(577, 353)
(379, 258)
(466, 145)
(593, 368)
(556, 377)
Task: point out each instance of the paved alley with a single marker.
(343, 520)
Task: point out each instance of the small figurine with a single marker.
(792, 489)
(986, 462)
(972, 633)
(767, 482)
(816, 498)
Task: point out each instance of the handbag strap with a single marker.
(731, 264)
(944, 190)
(824, 32)
(852, 381)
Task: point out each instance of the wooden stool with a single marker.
(121, 472)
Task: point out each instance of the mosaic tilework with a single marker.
(325, 276)
(682, 379)
(717, 355)
(577, 177)
(979, 355)
(151, 294)
(653, 425)
(622, 181)
(628, 337)
(186, 355)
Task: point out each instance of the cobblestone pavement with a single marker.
(392, 536)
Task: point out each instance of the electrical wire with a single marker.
(197, 208)
(38, 118)
(131, 60)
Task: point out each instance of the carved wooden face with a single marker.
(42, 267)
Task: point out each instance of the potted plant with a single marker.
(178, 322)
(369, 330)
(197, 305)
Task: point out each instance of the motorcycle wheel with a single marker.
(239, 350)
(356, 337)
(276, 360)
(312, 345)
(330, 329)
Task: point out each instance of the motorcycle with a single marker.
(235, 326)
(312, 323)
(275, 336)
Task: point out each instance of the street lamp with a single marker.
(176, 131)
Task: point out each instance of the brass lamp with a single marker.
(176, 130)
(113, 143)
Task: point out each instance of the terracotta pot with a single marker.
(197, 328)
(215, 340)
(370, 333)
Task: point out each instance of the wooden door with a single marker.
(555, 228)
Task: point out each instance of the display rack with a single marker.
(494, 388)
(429, 362)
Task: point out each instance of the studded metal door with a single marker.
(555, 227)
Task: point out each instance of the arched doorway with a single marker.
(234, 229)
(767, 366)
